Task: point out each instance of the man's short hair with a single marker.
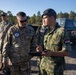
(21, 14)
(50, 12)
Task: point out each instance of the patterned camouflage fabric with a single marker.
(4, 26)
(18, 43)
(40, 38)
(54, 40)
(40, 34)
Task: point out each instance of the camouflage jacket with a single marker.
(18, 43)
(40, 34)
(55, 40)
(4, 26)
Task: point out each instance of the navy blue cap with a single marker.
(50, 12)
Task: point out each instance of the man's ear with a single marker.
(52, 17)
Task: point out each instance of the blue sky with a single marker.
(33, 6)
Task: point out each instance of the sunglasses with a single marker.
(23, 21)
(3, 15)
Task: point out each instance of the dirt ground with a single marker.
(70, 63)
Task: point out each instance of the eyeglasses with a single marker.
(23, 21)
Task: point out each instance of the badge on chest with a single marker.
(17, 34)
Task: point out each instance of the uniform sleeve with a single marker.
(6, 46)
(38, 35)
(33, 41)
(66, 41)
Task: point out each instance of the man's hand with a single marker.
(46, 53)
(39, 48)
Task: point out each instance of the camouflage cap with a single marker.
(3, 14)
(50, 12)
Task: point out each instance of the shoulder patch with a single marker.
(67, 41)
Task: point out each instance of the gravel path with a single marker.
(71, 62)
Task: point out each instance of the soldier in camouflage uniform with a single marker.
(40, 34)
(56, 46)
(19, 41)
(40, 37)
(4, 26)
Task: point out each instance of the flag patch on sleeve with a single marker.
(67, 41)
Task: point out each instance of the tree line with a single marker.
(37, 18)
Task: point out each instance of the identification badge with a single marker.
(17, 34)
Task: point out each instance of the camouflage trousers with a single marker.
(22, 69)
(56, 70)
(48, 67)
(43, 72)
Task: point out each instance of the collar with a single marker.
(52, 30)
